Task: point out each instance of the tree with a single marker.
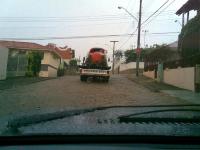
(73, 63)
(189, 38)
(34, 63)
(159, 53)
(131, 55)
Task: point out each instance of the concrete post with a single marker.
(183, 20)
(188, 16)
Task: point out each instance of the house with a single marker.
(14, 59)
(63, 56)
(66, 54)
(173, 46)
(17, 60)
(187, 7)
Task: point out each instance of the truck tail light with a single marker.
(81, 70)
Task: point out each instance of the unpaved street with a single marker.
(69, 93)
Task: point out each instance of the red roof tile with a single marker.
(64, 54)
(22, 45)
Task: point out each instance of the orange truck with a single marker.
(95, 65)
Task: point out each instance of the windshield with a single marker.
(100, 67)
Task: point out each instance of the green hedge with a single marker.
(189, 38)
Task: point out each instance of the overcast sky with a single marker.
(63, 18)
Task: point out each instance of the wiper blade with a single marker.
(159, 120)
(38, 118)
(15, 124)
(133, 118)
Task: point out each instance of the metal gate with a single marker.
(17, 65)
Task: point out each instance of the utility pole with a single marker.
(113, 65)
(138, 40)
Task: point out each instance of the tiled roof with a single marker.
(188, 6)
(22, 45)
(64, 54)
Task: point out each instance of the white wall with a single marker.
(131, 65)
(52, 72)
(44, 74)
(149, 74)
(3, 62)
(180, 77)
(66, 60)
(49, 59)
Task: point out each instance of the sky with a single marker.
(66, 18)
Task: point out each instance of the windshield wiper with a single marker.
(15, 124)
(133, 118)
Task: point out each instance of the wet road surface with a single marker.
(69, 92)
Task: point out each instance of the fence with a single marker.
(181, 73)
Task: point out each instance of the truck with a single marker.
(95, 65)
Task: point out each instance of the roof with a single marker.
(188, 6)
(64, 53)
(173, 45)
(22, 45)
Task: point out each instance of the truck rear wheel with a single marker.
(83, 78)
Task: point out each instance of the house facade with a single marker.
(14, 58)
(50, 64)
(17, 56)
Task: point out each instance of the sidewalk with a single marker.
(19, 81)
(173, 91)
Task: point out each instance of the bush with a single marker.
(60, 72)
(29, 74)
(189, 38)
(34, 63)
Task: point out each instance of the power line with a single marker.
(145, 21)
(67, 26)
(90, 36)
(155, 11)
(65, 19)
(76, 17)
(127, 39)
(160, 12)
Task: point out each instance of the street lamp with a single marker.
(139, 31)
(119, 7)
(178, 22)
